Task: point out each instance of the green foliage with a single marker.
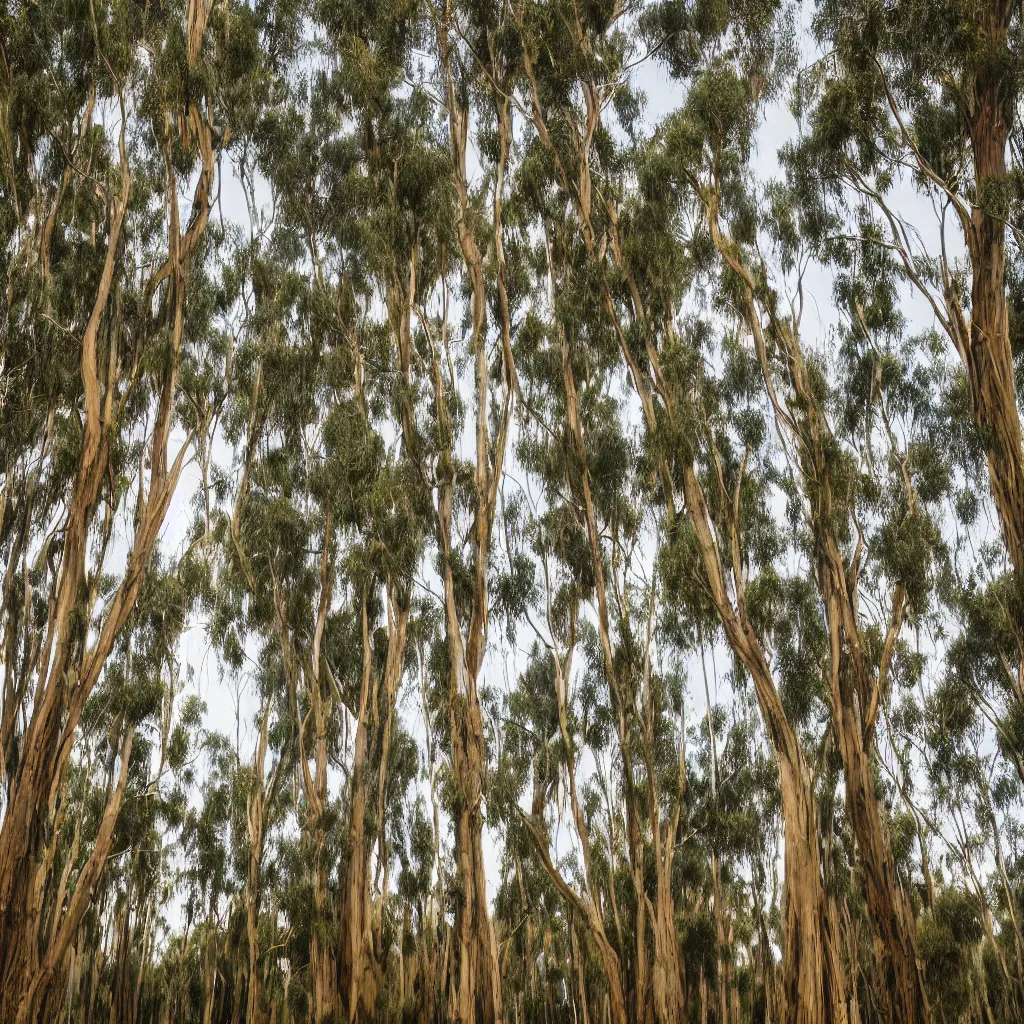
(558, 487)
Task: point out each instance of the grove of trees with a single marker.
(511, 512)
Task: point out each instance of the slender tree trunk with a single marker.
(397, 622)
(666, 976)
(209, 973)
(814, 984)
(357, 949)
(476, 982)
(721, 978)
(255, 813)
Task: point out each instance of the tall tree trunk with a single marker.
(476, 984)
(255, 817)
(357, 947)
(814, 984)
(987, 357)
(586, 907)
(69, 667)
(397, 623)
(666, 975)
(363, 965)
(322, 956)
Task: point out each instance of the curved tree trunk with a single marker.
(814, 984)
(71, 667)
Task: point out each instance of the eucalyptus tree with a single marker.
(424, 209)
(209, 884)
(587, 460)
(718, 550)
(475, 987)
(927, 109)
(575, 89)
(936, 118)
(859, 538)
(906, 103)
(263, 791)
(641, 280)
(317, 467)
(121, 925)
(321, 459)
(495, 385)
(114, 117)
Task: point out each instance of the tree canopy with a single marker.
(511, 512)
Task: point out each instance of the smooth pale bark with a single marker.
(362, 963)
(397, 623)
(667, 967)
